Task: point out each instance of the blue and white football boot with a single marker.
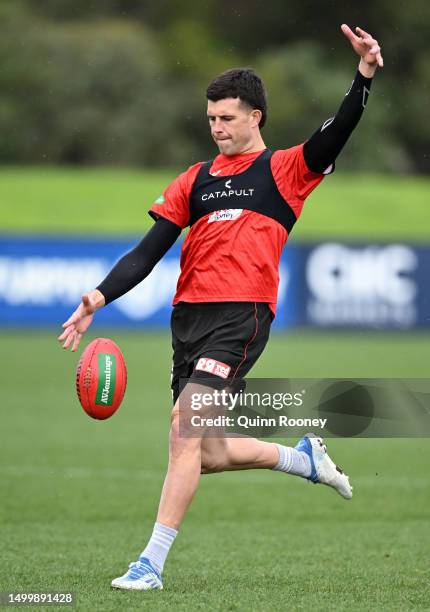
(141, 576)
(323, 469)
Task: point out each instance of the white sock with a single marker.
(293, 461)
(159, 545)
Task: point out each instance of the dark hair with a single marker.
(240, 83)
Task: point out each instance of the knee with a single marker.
(214, 460)
(211, 465)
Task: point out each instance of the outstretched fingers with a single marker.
(363, 33)
(71, 336)
(77, 323)
(73, 319)
(66, 333)
(349, 33)
(77, 339)
(374, 49)
(361, 40)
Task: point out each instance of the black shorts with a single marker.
(217, 342)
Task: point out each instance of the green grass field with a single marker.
(79, 497)
(92, 201)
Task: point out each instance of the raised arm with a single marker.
(323, 147)
(130, 270)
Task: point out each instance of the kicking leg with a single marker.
(308, 459)
(243, 453)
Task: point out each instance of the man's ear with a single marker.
(256, 116)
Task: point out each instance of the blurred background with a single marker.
(102, 104)
(121, 82)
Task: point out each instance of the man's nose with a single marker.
(217, 125)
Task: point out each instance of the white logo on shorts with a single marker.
(218, 368)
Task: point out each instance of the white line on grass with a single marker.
(365, 481)
(77, 472)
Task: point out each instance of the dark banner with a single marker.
(257, 407)
(368, 286)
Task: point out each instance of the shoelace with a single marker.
(138, 565)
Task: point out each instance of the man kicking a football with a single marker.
(241, 208)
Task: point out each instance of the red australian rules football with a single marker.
(101, 378)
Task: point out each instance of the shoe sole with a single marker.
(344, 489)
(134, 588)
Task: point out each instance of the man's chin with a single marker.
(226, 147)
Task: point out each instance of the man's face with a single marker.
(234, 126)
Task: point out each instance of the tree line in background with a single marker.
(123, 81)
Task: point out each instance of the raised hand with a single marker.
(365, 46)
(81, 319)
